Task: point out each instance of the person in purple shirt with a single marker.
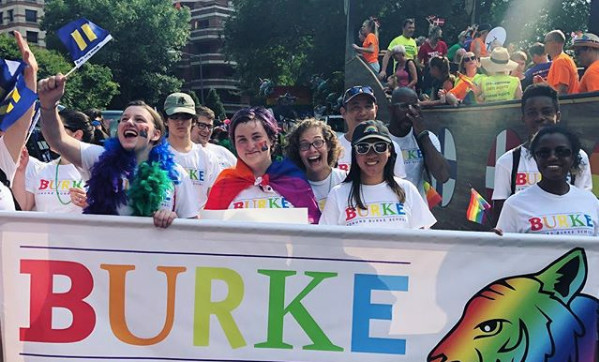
(541, 64)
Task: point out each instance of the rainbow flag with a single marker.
(477, 207)
(432, 196)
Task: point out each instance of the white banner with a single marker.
(91, 288)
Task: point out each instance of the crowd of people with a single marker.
(476, 69)
(165, 165)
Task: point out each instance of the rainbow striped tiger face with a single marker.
(540, 317)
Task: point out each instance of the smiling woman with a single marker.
(256, 181)
(371, 196)
(134, 173)
(552, 206)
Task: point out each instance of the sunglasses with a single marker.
(356, 90)
(469, 59)
(364, 148)
(559, 152)
(305, 146)
(579, 50)
(201, 125)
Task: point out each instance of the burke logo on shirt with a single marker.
(60, 185)
(381, 209)
(561, 222)
(269, 203)
(412, 155)
(196, 175)
(527, 178)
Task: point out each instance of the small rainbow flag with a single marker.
(432, 196)
(477, 207)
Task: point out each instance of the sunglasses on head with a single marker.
(357, 90)
(364, 148)
(559, 152)
(305, 146)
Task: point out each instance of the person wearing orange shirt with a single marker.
(478, 46)
(370, 46)
(563, 75)
(586, 50)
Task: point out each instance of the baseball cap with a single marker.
(355, 91)
(179, 103)
(370, 130)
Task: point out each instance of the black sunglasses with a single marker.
(469, 59)
(364, 148)
(559, 152)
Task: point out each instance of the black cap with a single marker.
(370, 130)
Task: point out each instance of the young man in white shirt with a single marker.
(359, 105)
(201, 165)
(540, 108)
(421, 149)
(201, 131)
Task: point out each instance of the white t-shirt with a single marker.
(344, 161)
(536, 211)
(183, 201)
(528, 174)
(47, 188)
(322, 188)
(258, 197)
(8, 165)
(223, 156)
(383, 209)
(413, 158)
(202, 168)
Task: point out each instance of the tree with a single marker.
(89, 87)
(214, 103)
(145, 32)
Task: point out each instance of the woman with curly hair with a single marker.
(134, 173)
(257, 181)
(552, 206)
(313, 146)
(371, 195)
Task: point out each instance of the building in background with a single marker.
(203, 65)
(23, 16)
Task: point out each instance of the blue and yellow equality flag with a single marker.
(15, 97)
(83, 39)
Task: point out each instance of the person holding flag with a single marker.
(371, 195)
(134, 173)
(16, 112)
(465, 86)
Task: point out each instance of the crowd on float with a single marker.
(163, 164)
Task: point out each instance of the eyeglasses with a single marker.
(305, 146)
(201, 125)
(364, 148)
(559, 152)
(469, 59)
(356, 90)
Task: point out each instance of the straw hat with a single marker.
(499, 61)
(586, 40)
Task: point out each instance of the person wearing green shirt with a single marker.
(454, 48)
(406, 39)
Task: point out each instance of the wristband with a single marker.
(422, 135)
(49, 109)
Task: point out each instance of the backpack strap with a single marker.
(515, 163)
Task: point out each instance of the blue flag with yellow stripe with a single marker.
(9, 72)
(17, 101)
(83, 39)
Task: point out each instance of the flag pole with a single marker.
(70, 72)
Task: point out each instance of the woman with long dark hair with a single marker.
(372, 196)
(552, 206)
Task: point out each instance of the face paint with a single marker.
(263, 146)
(143, 133)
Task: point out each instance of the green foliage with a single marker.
(214, 103)
(91, 86)
(145, 34)
(285, 40)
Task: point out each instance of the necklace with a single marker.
(56, 184)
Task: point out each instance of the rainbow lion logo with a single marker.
(540, 317)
